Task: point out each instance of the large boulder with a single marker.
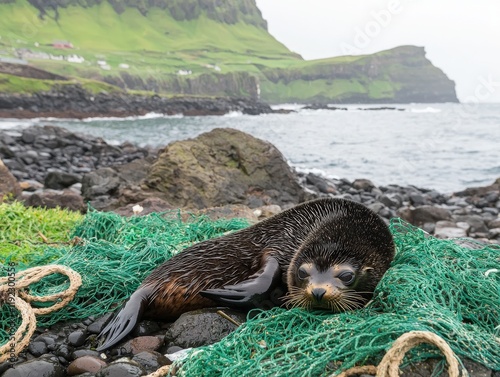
(67, 199)
(8, 183)
(224, 166)
(424, 214)
(486, 196)
(117, 186)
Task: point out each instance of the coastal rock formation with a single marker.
(8, 183)
(399, 75)
(73, 101)
(224, 166)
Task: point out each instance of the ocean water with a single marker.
(446, 147)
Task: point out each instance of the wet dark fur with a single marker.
(324, 230)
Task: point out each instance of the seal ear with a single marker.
(366, 270)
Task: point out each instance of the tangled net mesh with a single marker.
(448, 287)
(114, 254)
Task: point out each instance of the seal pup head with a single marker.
(339, 265)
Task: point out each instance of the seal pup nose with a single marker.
(318, 293)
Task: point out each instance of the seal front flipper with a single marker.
(126, 319)
(249, 293)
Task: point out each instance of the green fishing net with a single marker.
(449, 287)
(113, 256)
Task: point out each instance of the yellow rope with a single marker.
(22, 302)
(389, 366)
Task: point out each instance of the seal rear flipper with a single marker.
(249, 293)
(125, 320)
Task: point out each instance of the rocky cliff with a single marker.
(74, 101)
(399, 75)
(225, 11)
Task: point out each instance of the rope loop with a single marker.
(389, 366)
(22, 300)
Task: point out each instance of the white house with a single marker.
(75, 59)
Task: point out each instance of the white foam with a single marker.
(233, 114)
(134, 117)
(425, 110)
(288, 106)
(314, 171)
(14, 124)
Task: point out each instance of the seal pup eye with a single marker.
(302, 273)
(347, 277)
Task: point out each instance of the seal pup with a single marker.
(326, 253)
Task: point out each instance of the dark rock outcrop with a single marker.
(73, 101)
(8, 183)
(57, 180)
(54, 198)
(424, 214)
(117, 186)
(224, 166)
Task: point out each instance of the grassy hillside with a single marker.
(155, 41)
(194, 47)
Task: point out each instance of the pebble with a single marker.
(77, 338)
(202, 327)
(84, 352)
(145, 328)
(36, 368)
(121, 369)
(448, 229)
(143, 343)
(151, 361)
(84, 364)
(97, 326)
(37, 348)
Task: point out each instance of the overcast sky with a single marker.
(462, 37)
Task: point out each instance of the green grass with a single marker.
(381, 89)
(15, 84)
(319, 90)
(20, 226)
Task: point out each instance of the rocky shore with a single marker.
(52, 163)
(73, 101)
(50, 166)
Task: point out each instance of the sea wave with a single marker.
(315, 171)
(14, 124)
(233, 114)
(425, 110)
(134, 117)
(288, 106)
